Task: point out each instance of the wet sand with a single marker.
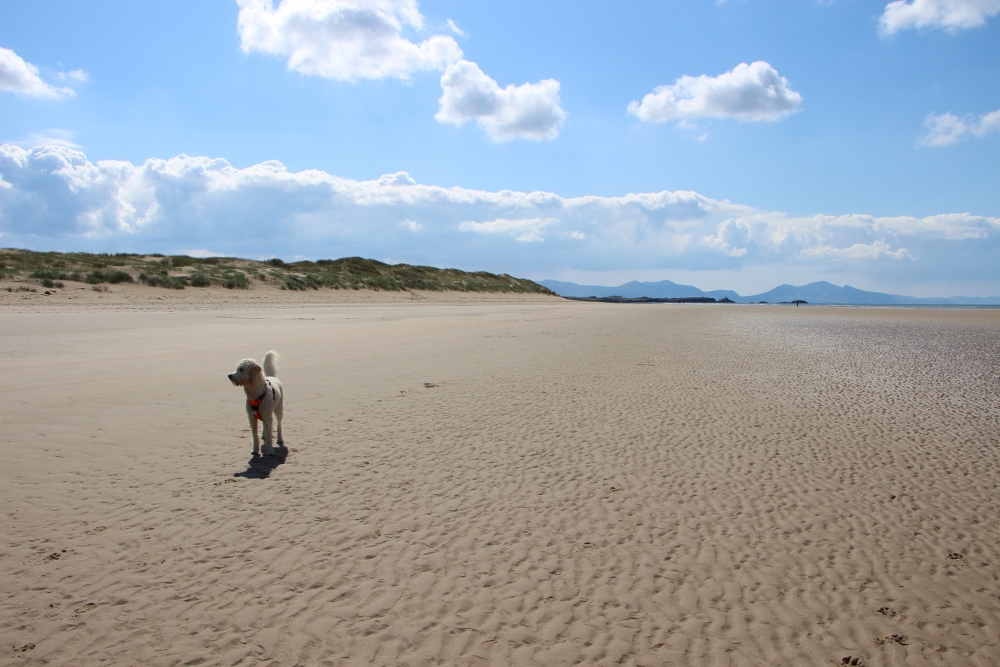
(498, 482)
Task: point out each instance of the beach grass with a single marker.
(182, 271)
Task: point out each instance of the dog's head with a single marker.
(246, 370)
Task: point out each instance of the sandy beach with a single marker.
(497, 480)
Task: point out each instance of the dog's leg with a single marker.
(279, 412)
(268, 449)
(253, 429)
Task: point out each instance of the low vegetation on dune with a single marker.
(54, 269)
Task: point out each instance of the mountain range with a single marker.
(819, 293)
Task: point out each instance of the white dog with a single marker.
(265, 399)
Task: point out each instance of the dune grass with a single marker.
(182, 271)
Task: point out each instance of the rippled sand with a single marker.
(502, 484)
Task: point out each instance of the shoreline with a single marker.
(82, 296)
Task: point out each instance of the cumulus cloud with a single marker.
(950, 15)
(874, 250)
(373, 39)
(528, 230)
(344, 39)
(946, 129)
(21, 77)
(731, 238)
(528, 111)
(54, 197)
(749, 93)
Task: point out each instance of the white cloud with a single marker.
(54, 197)
(874, 250)
(527, 230)
(946, 129)
(990, 122)
(199, 252)
(399, 178)
(528, 111)
(754, 92)
(950, 15)
(52, 136)
(730, 238)
(373, 39)
(21, 77)
(77, 75)
(344, 39)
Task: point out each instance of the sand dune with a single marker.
(500, 483)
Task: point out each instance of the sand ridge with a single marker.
(503, 483)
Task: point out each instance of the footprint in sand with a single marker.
(955, 556)
(429, 385)
(853, 661)
(891, 639)
(886, 611)
(90, 606)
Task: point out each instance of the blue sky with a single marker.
(737, 144)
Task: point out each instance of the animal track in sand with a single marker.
(891, 639)
(429, 385)
(852, 661)
(886, 611)
(955, 556)
(90, 606)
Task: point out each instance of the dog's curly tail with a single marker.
(271, 364)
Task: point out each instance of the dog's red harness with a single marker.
(255, 404)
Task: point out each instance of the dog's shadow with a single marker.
(260, 467)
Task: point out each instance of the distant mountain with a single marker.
(818, 293)
(827, 293)
(664, 289)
